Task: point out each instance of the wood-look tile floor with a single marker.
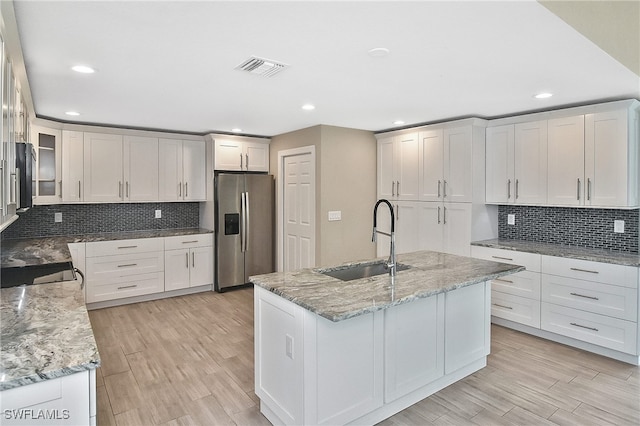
(189, 361)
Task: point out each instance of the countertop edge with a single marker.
(39, 378)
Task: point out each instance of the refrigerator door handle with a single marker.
(242, 222)
(246, 221)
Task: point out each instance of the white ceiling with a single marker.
(170, 64)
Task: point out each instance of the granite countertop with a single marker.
(430, 273)
(572, 252)
(47, 250)
(45, 334)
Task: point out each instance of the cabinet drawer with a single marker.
(126, 287)
(600, 330)
(187, 241)
(106, 269)
(523, 284)
(626, 276)
(515, 308)
(605, 299)
(531, 261)
(109, 248)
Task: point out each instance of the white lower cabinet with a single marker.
(309, 370)
(188, 261)
(518, 309)
(67, 400)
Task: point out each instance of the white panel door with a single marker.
(72, 166)
(431, 168)
(458, 170)
(530, 162)
(194, 170)
(565, 161)
(170, 173)
(103, 168)
(431, 228)
(386, 182)
(499, 165)
(606, 168)
(408, 167)
(201, 272)
(228, 155)
(457, 228)
(140, 168)
(299, 212)
(176, 269)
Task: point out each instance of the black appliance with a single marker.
(39, 274)
(26, 174)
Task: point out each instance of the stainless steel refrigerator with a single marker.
(244, 209)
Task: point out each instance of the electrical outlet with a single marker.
(511, 219)
(618, 226)
(158, 214)
(335, 215)
(57, 217)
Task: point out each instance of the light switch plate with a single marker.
(158, 214)
(618, 226)
(335, 215)
(57, 217)
(511, 219)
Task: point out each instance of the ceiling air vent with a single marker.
(263, 67)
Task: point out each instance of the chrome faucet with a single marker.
(391, 262)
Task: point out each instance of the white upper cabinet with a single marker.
(500, 179)
(611, 158)
(72, 166)
(530, 162)
(432, 170)
(48, 175)
(458, 167)
(399, 167)
(182, 170)
(103, 168)
(241, 155)
(140, 168)
(565, 161)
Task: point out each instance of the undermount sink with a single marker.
(349, 273)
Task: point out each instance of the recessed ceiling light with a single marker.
(378, 52)
(74, 113)
(398, 123)
(83, 69)
(236, 130)
(308, 107)
(543, 95)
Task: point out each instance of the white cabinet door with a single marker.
(386, 178)
(256, 156)
(140, 168)
(606, 160)
(170, 174)
(176, 269)
(458, 168)
(72, 166)
(103, 168)
(201, 272)
(228, 155)
(457, 228)
(432, 167)
(48, 174)
(193, 169)
(530, 162)
(407, 220)
(565, 167)
(499, 165)
(407, 167)
(431, 232)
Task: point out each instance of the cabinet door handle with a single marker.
(246, 156)
(444, 215)
(127, 189)
(588, 189)
(186, 189)
(585, 296)
(578, 191)
(393, 188)
(584, 270)
(79, 196)
(502, 258)
(439, 182)
(503, 280)
(193, 260)
(126, 247)
(398, 187)
(119, 189)
(190, 242)
(508, 189)
(186, 256)
(397, 213)
(60, 183)
(583, 326)
(517, 188)
(128, 265)
(180, 189)
(502, 306)
(438, 215)
(444, 191)
(128, 286)
(240, 161)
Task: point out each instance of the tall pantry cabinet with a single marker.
(438, 200)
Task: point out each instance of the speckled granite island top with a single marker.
(47, 250)
(45, 334)
(430, 273)
(572, 252)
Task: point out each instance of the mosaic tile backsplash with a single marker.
(581, 227)
(38, 221)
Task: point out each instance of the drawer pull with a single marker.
(128, 286)
(127, 265)
(582, 295)
(503, 281)
(126, 247)
(502, 258)
(584, 270)
(583, 326)
(189, 242)
(502, 306)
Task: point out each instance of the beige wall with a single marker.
(345, 181)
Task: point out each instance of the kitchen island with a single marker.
(329, 351)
